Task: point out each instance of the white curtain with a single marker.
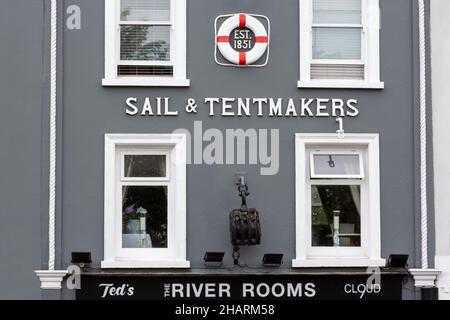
(337, 43)
(355, 190)
(356, 195)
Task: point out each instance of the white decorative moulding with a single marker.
(51, 279)
(425, 278)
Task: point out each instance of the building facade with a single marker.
(131, 124)
(439, 50)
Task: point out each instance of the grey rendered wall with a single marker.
(21, 132)
(88, 111)
(211, 193)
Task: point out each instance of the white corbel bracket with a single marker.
(51, 279)
(425, 278)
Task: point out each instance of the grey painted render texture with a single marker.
(22, 139)
(86, 111)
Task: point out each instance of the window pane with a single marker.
(144, 217)
(337, 11)
(337, 164)
(336, 216)
(337, 43)
(145, 43)
(144, 166)
(145, 10)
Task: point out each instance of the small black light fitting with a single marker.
(213, 259)
(81, 258)
(397, 261)
(272, 259)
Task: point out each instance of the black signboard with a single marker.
(239, 287)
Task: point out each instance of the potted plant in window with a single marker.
(131, 220)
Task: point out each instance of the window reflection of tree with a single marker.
(139, 37)
(136, 44)
(124, 13)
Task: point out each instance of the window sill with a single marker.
(338, 262)
(150, 264)
(340, 84)
(145, 82)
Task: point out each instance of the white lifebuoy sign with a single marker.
(242, 39)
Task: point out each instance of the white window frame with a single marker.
(177, 49)
(370, 50)
(174, 147)
(369, 254)
(332, 152)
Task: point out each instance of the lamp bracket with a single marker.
(241, 182)
(340, 132)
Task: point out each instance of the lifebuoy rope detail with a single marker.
(242, 20)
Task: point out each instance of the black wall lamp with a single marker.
(213, 259)
(272, 260)
(397, 261)
(81, 258)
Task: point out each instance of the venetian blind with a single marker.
(337, 11)
(337, 71)
(145, 10)
(337, 35)
(145, 33)
(151, 43)
(337, 43)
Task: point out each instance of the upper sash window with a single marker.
(339, 44)
(145, 43)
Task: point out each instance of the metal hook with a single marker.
(331, 162)
(243, 193)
